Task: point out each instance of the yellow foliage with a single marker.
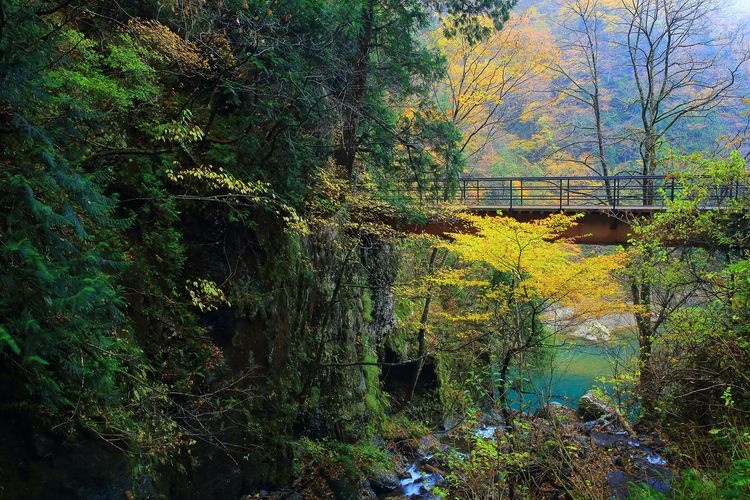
(450, 276)
(206, 295)
(542, 265)
(510, 65)
(467, 317)
(218, 185)
(219, 179)
(168, 45)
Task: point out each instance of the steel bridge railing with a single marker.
(573, 192)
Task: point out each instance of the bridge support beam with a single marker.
(596, 227)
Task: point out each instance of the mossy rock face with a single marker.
(591, 406)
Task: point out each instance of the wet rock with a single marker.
(367, 492)
(428, 445)
(608, 440)
(591, 407)
(383, 481)
(343, 487)
(633, 461)
(619, 483)
(599, 423)
(450, 423)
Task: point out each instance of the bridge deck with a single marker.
(566, 208)
(602, 200)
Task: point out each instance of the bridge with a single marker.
(607, 203)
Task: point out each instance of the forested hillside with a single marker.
(221, 277)
(555, 91)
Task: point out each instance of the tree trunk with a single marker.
(352, 99)
(505, 365)
(600, 145)
(421, 339)
(641, 292)
(598, 121)
(648, 152)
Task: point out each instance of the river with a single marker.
(573, 368)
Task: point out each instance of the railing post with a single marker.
(561, 182)
(520, 193)
(615, 192)
(511, 194)
(477, 191)
(568, 197)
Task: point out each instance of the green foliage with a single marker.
(100, 83)
(694, 484)
(367, 306)
(462, 16)
(168, 188)
(400, 427)
(357, 461)
(83, 276)
(376, 401)
(60, 302)
(704, 314)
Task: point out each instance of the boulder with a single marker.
(428, 445)
(382, 481)
(592, 407)
(555, 412)
(367, 493)
(344, 487)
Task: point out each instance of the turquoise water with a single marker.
(571, 370)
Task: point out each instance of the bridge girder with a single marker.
(596, 227)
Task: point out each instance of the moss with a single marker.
(357, 460)
(375, 399)
(367, 306)
(400, 427)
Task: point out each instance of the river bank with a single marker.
(574, 452)
(557, 452)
